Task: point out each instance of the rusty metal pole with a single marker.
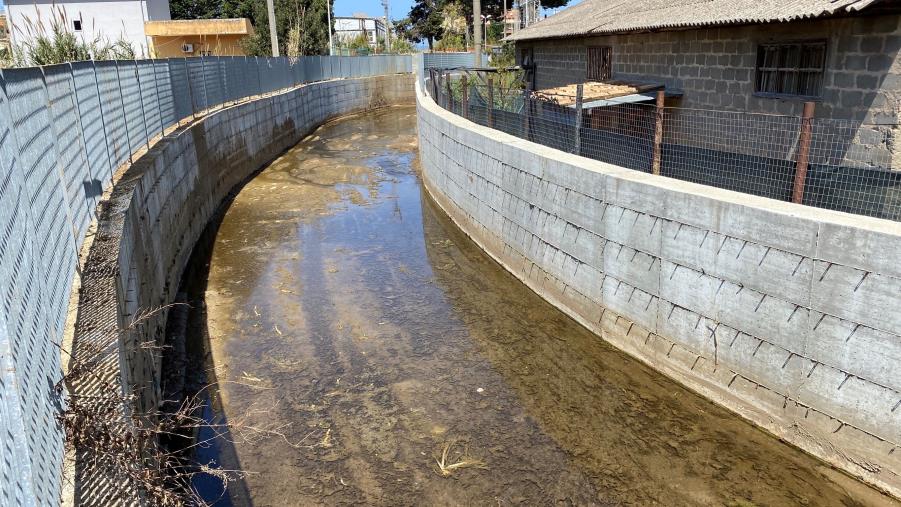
(449, 104)
(803, 153)
(490, 102)
(577, 145)
(464, 83)
(658, 133)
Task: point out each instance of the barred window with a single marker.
(795, 68)
(600, 63)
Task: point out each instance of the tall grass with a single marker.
(51, 44)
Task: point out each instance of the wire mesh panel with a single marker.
(150, 97)
(131, 104)
(621, 134)
(846, 165)
(90, 111)
(18, 320)
(212, 82)
(73, 167)
(182, 90)
(113, 112)
(38, 274)
(197, 84)
(165, 97)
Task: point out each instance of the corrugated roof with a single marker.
(598, 17)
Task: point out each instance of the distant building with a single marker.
(90, 20)
(198, 37)
(4, 33)
(511, 22)
(348, 29)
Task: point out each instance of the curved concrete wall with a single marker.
(155, 213)
(785, 314)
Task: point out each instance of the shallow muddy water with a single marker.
(358, 339)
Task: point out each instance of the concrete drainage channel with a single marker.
(146, 230)
(787, 315)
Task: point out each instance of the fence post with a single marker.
(658, 133)
(464, 83)
(803, 153)
(491, 102)
(449, 105)
(577, 146)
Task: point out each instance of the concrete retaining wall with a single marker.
(149, 224)
(787, 315)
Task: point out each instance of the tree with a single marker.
(301, 25)
(425, 21)
(195, 9)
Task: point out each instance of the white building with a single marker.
(347, 29)
(108, 20)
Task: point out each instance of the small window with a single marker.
(76, 24)
(600, 63)
(795, 69)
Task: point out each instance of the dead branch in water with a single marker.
(116, 440)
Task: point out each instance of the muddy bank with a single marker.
(359, 342)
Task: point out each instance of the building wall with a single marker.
(220, 45)
(783, 313)
(715, 68)
(347, 29)
(107, 20)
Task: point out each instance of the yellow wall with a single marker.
(204, 45)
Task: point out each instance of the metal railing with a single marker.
(64, 131)
(834, 164)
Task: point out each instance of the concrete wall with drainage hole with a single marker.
(785, 314)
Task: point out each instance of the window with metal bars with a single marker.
(792, 69)
(600, 63)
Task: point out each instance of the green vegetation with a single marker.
(432, 21)
(49, 46)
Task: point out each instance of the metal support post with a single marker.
(490, 102)
(464, 82)
(658, 133)
(577, 145)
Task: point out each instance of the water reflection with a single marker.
(360, 341)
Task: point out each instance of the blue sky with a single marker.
(399, 8)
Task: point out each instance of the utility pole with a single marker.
(273, 35)
(328, 11)
(386, 4)
(477, 28)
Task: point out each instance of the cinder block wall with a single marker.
(785, 314)
(148, 226)
(716, 69)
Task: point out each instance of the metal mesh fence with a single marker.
(64, 130)
(838, 164)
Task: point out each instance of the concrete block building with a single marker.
(737, 55)
(198, 37)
